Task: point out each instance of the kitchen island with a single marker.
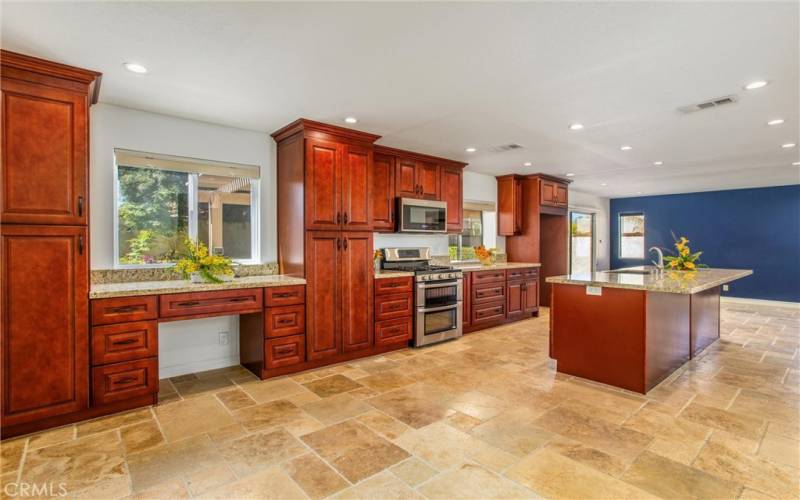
(631, 328)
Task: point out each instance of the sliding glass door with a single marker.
(581, 243)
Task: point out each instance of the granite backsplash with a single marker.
(102, 276)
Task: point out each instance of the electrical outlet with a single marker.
(223, 338)
(726, 288)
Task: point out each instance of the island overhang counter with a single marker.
(631, 328)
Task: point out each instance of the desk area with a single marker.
(124, 329)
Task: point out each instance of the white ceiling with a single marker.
(437, 78)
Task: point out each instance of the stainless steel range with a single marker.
(438, 292)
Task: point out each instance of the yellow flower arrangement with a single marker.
(197, 260)
(684, 259)
(486, 256)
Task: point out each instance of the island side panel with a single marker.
(601, 338)
(704, 319)
(667, 335)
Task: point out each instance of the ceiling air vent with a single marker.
(711, 103)
(505, 147)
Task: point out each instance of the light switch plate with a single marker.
(594, 290)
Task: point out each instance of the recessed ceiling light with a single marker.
(576, 126)
(638, 192)
(788, 145)
(796, 164)
(777, 121)
(658, 163)
(570, 174)
(626, 148)
(470, 150)
(604, 184)
(527, 164)
(351, 119)
(756, 85)
(135, 67)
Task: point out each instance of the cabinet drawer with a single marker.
(201, 304)
(285, 351)
(385, 286)
(124, 342)
(121, 381)
(285, 295)
(525, 273)
(487, 313)
(121, 309)
(393, 306)
(494, 276)
(393, 331)
(283, 321)
(491, 292)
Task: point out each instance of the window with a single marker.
(631, 236)
(479, 229)
(581, 243)
(162, 199)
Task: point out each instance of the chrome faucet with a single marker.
(660, 263)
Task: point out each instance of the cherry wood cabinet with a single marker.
(45, 331)
(553, 193)
(322, 294)
(394, 310)
(494, 297)
(509, 205)
(428, 180)
(356, 180)
(323, 173)
(383, 185)
(355, 285)
(385, 286)
(406, 178)
(452, 193)
(515, 303)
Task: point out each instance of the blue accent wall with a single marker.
(756, 229)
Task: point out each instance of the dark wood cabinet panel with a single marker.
(406, 185)
(515, 300)
(509, 205)
(45, 154)
(45, 331)
(493, 276)
(322, 185)
(198, 304)
(466, 301)
(452, 194)
(285, 351)
(383, 193)
(284, 295)
(122, 309)
(393, 331)
(393, 306)
(428, 180)
(120, 381)
(488, 292)
(530, 296)
(285, 320)
(124, 342)
(356, 283)
(561, 195)
(553, 193)
(322, 290)
(356, 180)
(493, 312)
(394, 285)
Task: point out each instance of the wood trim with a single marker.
(419, 156)
(304, 125)
(51, 69)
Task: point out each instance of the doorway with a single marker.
(581, 243)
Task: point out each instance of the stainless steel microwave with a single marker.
(422, 216)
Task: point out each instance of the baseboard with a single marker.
(761, 302)
(196, 366)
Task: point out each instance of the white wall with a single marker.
(184, 346)
(584, 202)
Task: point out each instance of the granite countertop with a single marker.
(106, 290)
(477, 266)
(392, 274)
(685, 282)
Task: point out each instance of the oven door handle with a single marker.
(435, 309)
(439, 284)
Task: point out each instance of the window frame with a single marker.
(593, 237)
(632, 235)
(255, 222)
(460, 236)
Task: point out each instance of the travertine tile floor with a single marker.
(481, 417)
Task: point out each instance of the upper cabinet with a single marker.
(553, 193)
(452, 192)
(45, 155)
(428, 180)
(383, 192)
(406, 179)
(509, 205)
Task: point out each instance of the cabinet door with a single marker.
(323, 175)
(45, 158)
(466, 300)
(531, 296)
(383, 193)
(509, 206)
(451, 191)
(406, 179)
(356, 290)
(548, 193)
(561, 195)
(428, 180)
(514, 300)
(45, 336)
(322, 294)
(356, 187)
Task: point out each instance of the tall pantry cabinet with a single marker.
(44, 247)
(325, 232)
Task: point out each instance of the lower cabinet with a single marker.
(495, 297)
(285, 351)
(394, 320)
(120, 381)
